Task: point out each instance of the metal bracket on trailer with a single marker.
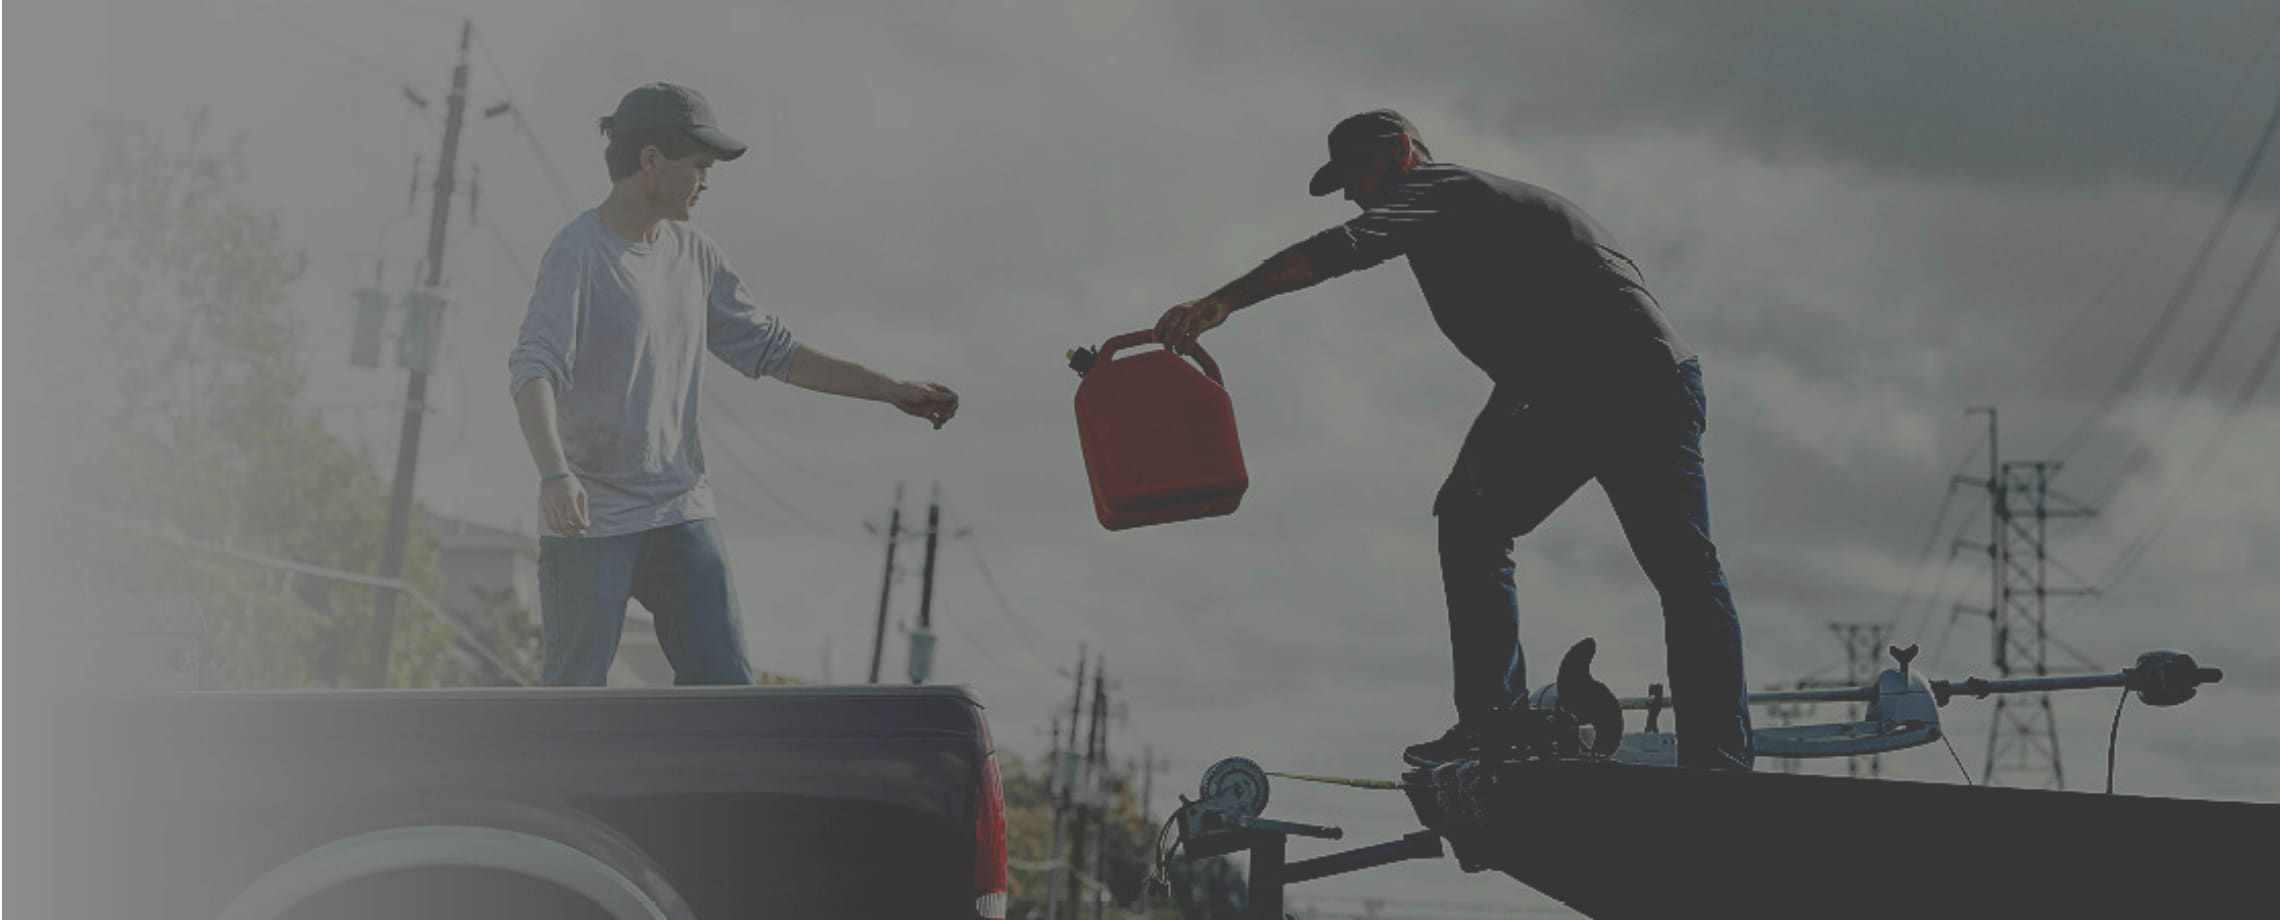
(1226, 818)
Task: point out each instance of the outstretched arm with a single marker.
(755, 343)
(815, 370)
(1385, 229)
(1287, 271)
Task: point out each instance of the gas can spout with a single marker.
(1081, 359)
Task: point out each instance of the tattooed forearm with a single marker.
(1287, 271)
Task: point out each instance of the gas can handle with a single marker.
(1148, 337)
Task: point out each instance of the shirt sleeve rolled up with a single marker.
(1381, 232)
(740, 333)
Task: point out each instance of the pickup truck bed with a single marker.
(689, 802)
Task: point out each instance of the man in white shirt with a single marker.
(606, 378)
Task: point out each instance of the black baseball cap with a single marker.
(668, 105)
(1353, 141)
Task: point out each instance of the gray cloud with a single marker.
(2027, 93)
(1866, 216)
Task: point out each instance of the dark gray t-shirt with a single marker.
(1526, 285)
(621, 329)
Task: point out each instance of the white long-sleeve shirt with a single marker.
(620, 328)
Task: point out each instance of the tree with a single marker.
(501, 624)
(1208, 889)
(197, 453)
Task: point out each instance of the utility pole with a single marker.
(1100, 788)
(1066, 779)
(1088, 811)
(1148, 765)
(922, 638)
(1053, 795)
(415, 393)
(886, 581)
(2022, 737)
(1053, 760)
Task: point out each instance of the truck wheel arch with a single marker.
(550, 842)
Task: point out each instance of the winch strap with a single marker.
(1340, 780)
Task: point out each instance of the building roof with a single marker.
(468, 536)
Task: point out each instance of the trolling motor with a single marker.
(1903, 712)
(1903, 708)
(1577, 718)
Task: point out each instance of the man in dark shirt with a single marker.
(1591, 383)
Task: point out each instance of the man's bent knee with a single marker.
(1469, 536)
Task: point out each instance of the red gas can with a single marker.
(1159, 437)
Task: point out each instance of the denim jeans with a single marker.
(1643, 445)
(679, 573)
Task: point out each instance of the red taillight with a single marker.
(989, 845)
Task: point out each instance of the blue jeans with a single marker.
(678, 573)
(1644, 446)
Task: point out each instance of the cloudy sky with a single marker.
(1866, 217)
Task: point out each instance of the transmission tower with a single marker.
(2022, 738)
(1864, 647)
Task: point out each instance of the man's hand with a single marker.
(930, 401)
(1181, 324)
(564, 503)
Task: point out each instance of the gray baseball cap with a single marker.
(1353, 141)
(668, 105)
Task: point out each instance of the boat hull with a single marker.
(1613, 840)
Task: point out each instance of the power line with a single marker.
(754, 478)
(983, 649)
(561, 189)
(378, 72)
(2143, 451)
(2128, 558)
(1023, 627)
(1940, 588)
(2059, 344)
(722, 412)
(385, 583)
(778, 500)
(513, 260)
(2153, 337)
(2206, 142)
(466, 413)
(737, 504)
(1932, 537)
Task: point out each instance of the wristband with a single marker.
(553, 478)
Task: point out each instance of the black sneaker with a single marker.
(1458, 742)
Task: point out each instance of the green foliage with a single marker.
(502, 623)
(1210, 888)
(197, 438)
